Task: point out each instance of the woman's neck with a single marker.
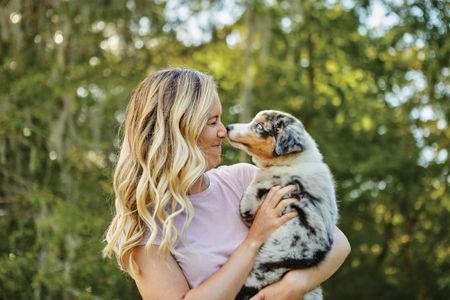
(198, 186)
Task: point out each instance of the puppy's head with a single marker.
(269, 136)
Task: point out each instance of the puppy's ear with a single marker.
(289, 139)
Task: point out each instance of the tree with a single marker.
(374, 98)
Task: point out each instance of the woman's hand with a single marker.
(296, 283)
(270, 215)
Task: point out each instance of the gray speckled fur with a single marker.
(301, 242)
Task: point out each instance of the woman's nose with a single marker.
(222, 131)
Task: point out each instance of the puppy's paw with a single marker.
(248, 208)
(247, 217)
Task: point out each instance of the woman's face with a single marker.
(213, 133)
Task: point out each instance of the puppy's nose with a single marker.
(229, 127)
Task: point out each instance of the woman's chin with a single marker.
(212, 163)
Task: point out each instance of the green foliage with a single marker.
(376, 99)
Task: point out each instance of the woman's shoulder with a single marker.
(232, 180)
(236, 169)
(241, 173)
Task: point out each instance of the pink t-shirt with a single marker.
(216, 229)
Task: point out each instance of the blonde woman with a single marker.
(177, 229)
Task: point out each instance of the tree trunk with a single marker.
(248, 65)
(244, 102)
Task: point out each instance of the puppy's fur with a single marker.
(286, 154)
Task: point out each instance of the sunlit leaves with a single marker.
(375, 100)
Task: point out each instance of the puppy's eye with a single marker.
(259, 127)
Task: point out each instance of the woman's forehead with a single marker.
(216, 108)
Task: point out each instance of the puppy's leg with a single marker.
(250, 203)
(259, 277)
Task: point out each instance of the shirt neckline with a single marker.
(209, 183)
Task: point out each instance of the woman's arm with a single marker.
(298, 282)
(159, 279)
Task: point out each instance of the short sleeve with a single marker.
(146, 236)
(245, 173)
(237, 176)
(147, 233)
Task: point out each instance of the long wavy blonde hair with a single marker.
(159, 161)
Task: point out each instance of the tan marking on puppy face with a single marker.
(255, 137)
(259, 118)
(258, 146)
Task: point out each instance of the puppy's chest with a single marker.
(265, 180)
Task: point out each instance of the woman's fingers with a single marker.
(283, 218)
(282, 205)
(287, 216)
(270, 195)
(270, 215)
(277, 193)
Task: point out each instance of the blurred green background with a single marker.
(369, 79)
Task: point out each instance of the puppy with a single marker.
(286, 154)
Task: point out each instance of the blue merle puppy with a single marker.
(286, 154)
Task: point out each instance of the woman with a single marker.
(177, 229)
